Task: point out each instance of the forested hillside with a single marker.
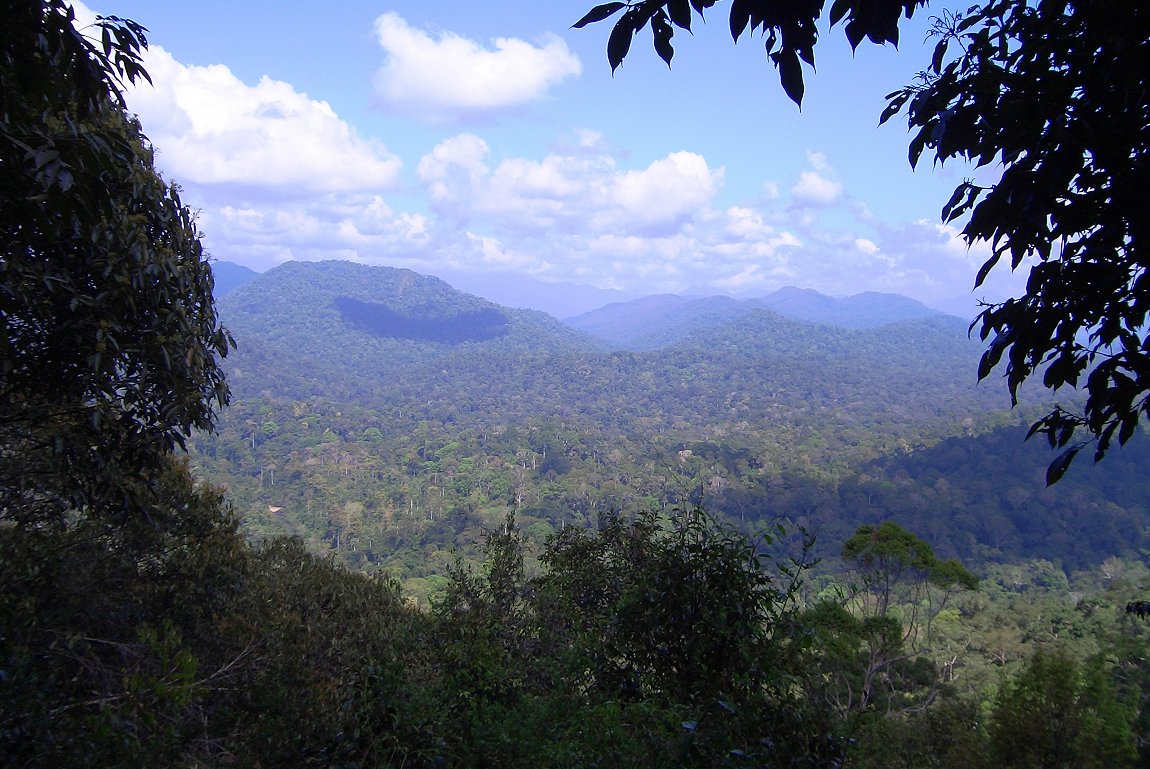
(663, 320)
(390, 420)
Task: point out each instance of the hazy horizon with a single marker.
(451, 137)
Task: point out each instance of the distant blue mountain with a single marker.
(230, 276)
(662, 320)
(658, 321)
(866, 310)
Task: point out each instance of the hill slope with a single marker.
(389, 418)
(866, 310)
(659, 321)
(230, 276)
(345, 330)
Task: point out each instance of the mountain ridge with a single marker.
(660, 321)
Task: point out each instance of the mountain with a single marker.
(382, 335)
(866, 310)
(412, 351)
(346, 329)
(230, 276)
(659, 321)
(389, 418)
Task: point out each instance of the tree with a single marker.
(110, 344)
(887, 555)
(870, 652)
(1057, 93)
(1058, 713)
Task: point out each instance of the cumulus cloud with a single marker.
(212, 128)
(668, 190)
(357, 227)
(572, 192)
(495, 252)
(448, 76)
(817, 188)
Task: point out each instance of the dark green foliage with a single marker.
(887, 554)
(378, 319)
(947, 735)
(108, 356)
(189, 648)
(646, 642)
(1060, 713)
(682, 630)
(104, 631)
(873, 650)
(790, 28)
(1057, 92)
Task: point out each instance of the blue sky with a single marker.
(493, 138)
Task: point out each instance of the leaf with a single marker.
(939, 53)
(598, 13)
(620, 40)
(662, 32)
(917, 145)
(895, 101)
(855, 33)
(838, 10)
(740, 18)
(791, 75)
(1129, 425)
(993, 354)
(959, 193)
(1060, 465)
(680, 11)
(985, 270)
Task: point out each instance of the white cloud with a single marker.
(747, 278)
(746, 223)
(589, 139)
(279, 175)
(815, 190)
(495, 252)
(359, 227)
(213, 129)
(668, 190)
(453, 168)
(574, 192)
(818, 188)
(450, 76)
(819, 162)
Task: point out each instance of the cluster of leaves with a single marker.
(790, 28)
(110, 343)
(1057, 92)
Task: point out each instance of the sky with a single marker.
(494, 138)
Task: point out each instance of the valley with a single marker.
(395, 448)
